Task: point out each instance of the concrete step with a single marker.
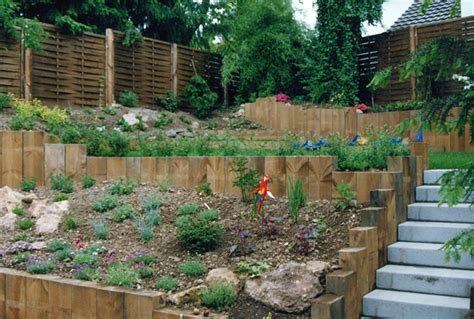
(432, 176)
(425, 254)
(430, 232)
(408, 305)
(429, 193)
(460, 213)
(436, 281)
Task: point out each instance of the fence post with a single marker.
(27, 73)
(174, 69)
(413, 44)
(109, 67)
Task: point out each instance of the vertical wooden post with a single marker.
(344, 283)
(327, 307)
(226, 94)
(377, 216)
(174, 69)
(109, 67)
(413, 41)
(367, 237)
(27, 72)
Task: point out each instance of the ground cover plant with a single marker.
(450, 160)
(167, 263)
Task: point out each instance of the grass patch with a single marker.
(448, 160)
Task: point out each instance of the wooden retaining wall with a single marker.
(23, 295)
(368, 243)
(37, 154)
(281, 117)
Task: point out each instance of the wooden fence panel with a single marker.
(33, 156)
(162, 169)
(179, 171)
(10, 65)
(116, 168)
(275, 167)
(76, 155)
(54, 160)
(12, 158)
(148, 169)
(96, 167)
(298, 168)
(197, 170)
(216, 173)
(134, 167)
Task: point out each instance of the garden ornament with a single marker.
(419, 136)
(361, 108)
(262, 192)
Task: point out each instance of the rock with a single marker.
(170, 133)
(290, 288)
(48, 215)
(130, 119)
(195, 125)
(8, 221)
(191, 295)
(240, 112)
(196, 311)
(318, 268)
(9, 199)
(179, 130)
(223, 275)
(187, 134)
(38, 245)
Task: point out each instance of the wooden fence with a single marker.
(92, 70)
(35, 155)
(391, 48)
(281, 117)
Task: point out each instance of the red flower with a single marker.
(361, 107)
(281, 97)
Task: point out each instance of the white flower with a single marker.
(100, 128)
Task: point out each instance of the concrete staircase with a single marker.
(417, 283)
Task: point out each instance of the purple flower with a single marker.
(281, 97)
(139, 265)
(19, 246)
(110, 258)
(2, 253)
(135, 254)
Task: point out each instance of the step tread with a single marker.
(460, 213)
(436, 224)
(428, 271)
(407, 305)
(432, 232)
(432, 176)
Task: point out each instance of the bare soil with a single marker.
(271, 242)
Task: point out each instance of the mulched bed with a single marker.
(271, 243)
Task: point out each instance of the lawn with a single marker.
(445, 160)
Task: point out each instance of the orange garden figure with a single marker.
(262, 192)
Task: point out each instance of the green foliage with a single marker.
(296, 198)
(184, 119)
(347, 196)
(22, 122)
(120, 274)
(37, 265)
(60, 197)
(188, 209)
(462, 242)
(21, 257)
(199, 96)
(219, 295)
(241, 122)
(28, 185)
(85, 259)
(63, 254)
(193, 268)
(450, 160)
(167, 283)
(145, 272)
(204, 188)
(118, 142)
(25, 223)
(123, 212)
(152, 203)
(162, 121)
(146, 259)
(19, 211)
(128, 98)
(88, 182)
(381, 79)
(101, 229)
(123, 186)
(264, 47)
(71, 222)
(59, 182)
(6, 100)
(209, 215)
(164, 185)
(87, 274)
(110, 110)
(457, 185)
(183, 221)
(170, 103)
(57, 245)
(105, 203)
(146, 230)
(252, 268)
(247, 179)
(198, 236)
(132, 35)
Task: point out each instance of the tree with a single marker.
(263, 45)
(179, 21)
(332, 74)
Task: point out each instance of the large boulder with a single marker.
(223, 275)
(48, 215)
(9, 199)
(290, 288)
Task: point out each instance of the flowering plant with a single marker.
(19, 246)
(39, 265)
(361, 108)
(281, 97)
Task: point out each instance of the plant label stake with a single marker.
(262, 192)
